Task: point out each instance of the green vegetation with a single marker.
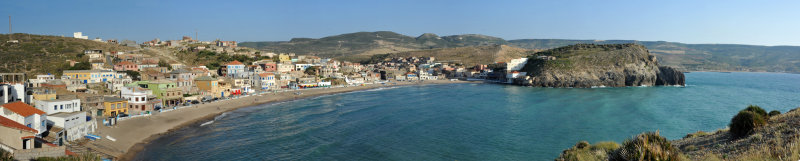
(214, 60)
(587, 152)
(6, 156)
(81, 66)
(748, 120)
(311, 70)
(647, 146)
(162, 63)
(756, 109)
(134, 74)
(728, 57)
(774, 113)
(360, 46)
(468, 56)
(39, 54)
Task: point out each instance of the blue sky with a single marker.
(712, 21)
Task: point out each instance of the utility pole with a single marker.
(195, 35)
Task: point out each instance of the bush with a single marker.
(756, 109)
(584, 151)
(646, 146)
(745, 122)
(774, 113)
(4, 155)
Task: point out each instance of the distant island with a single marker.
(589, 65)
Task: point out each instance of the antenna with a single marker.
(195, 35)
(9, 28)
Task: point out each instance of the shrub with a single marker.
(756, 109)
(4, 155)
(646, 146)
(606, 146)
(745, 122)
(582, 144)
(584, 151)
(774, 113)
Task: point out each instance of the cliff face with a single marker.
(586, 66)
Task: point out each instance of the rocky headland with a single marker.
(589, 65)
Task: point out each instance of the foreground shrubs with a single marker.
(747, 120)
(774, 113)
(646, 146)
(583, 151)
(756, 109)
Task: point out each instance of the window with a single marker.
(55, 107)
(29, 125)
(43, 123)
(62, 107)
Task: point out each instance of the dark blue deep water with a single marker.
(472, 121)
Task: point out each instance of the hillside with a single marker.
(39, 54)
(361, 45)
(699, 57)
(778, 139)
(587, 65)
(692, 57)
(469, 56)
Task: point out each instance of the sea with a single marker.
(472, 121)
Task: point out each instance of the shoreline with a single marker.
(133, 134)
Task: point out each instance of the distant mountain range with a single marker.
(361, 46)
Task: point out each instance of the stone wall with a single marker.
(27, 154)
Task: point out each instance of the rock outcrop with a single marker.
(588, 65)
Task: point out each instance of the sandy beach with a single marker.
(132, 134)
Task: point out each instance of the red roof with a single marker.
(265, 74)
(235, 63)
(13, 124)
(22, 109)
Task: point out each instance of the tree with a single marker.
(134, 74)
(311, 70)
(162, 63)
(81, 66)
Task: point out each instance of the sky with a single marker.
(687, 21)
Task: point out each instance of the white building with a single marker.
(516, 64)
(285, 67)
(26, 115)
(58, 105)
(301, 67)
(74, 124)
(79, 35)
(267, 81)
(12, 92)
(514, 75)
(234, 68)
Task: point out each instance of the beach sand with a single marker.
(132, 134)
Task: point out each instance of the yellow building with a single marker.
(43, 93)
(206, 83)
(91, 76)
(283, 58)
(113, 106)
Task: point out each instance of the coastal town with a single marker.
(84, 109)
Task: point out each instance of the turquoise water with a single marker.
(472, 121)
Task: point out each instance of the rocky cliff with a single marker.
(588, 65)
